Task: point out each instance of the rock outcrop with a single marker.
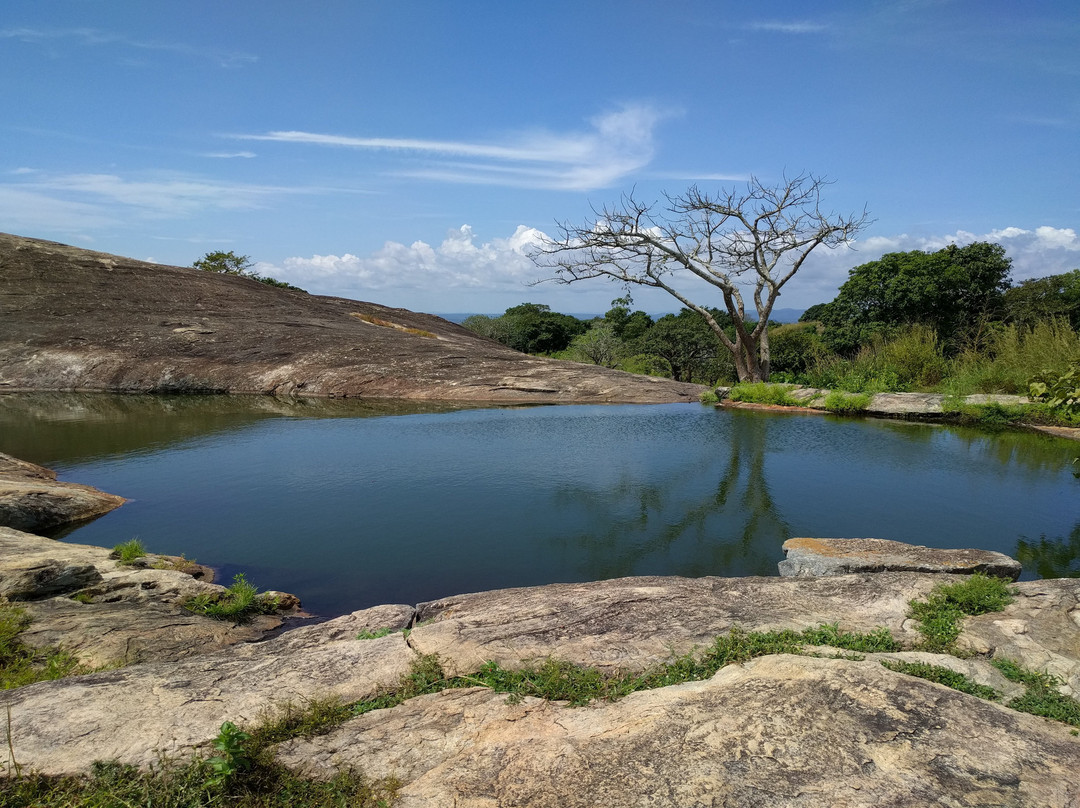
(816, 557)
(81, 320)
(777, 731)
(107, 613)
(31, 498)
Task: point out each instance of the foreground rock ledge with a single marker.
(806, 730)
(31, 498)
(777, 731)
(79, 320)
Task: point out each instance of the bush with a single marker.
(764, 393)
(239, 602)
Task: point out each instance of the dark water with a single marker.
(352, 505)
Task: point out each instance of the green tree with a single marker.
(225, 263)
(690, 346)
(599, 345)
(952, 290)
(743, 243)
(1044, 298)
(530, 328)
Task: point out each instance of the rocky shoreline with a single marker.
(780, 729)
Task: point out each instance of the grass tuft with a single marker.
(128, 552)
(22, 665)
(846, 403)
(239, 602)
(941, 614)
(764, 393)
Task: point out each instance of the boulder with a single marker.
(776, 731)
(819, 557)
(31, 498)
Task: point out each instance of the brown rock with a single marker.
(816, 557)
(777, 731)
(32, 499)
(81, 320)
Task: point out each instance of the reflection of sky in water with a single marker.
(350, 512)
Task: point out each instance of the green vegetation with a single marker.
(229, 263)
(943, 676)
(846, 403)
(129, 551)
(22, 665)
(1042, 696)
(239, 602)
(941, 614)
(764, 393)
(374, 635)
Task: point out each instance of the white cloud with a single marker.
(618, 144)
(787, 27)
(95, 37)
(230, 155)
(461, 274)
(458, 263)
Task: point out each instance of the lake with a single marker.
(351, 504)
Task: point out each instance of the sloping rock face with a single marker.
(777, 731)
(124, 614)
(812, 557)
(31, 498)
(80, 320)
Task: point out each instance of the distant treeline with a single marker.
(949, 320)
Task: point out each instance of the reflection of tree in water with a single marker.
(1051, 558)
(730, 527)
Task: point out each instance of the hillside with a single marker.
(74, 319)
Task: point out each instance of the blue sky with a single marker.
(409, 153)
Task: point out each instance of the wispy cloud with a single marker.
(92, 37)
(801, 27)
(229, 155)
(618, 143)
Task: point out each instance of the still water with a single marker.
(350, 505)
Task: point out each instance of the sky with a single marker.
(413, 152)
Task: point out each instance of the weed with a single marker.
(128, 552)
(846, 403)
(943, 676)
(940, 615)
(374, 635)
(239, 602)
(764, 393)
(709, 397)
(232, 758)
(21, 665)
(83, 597)
(1042, 697)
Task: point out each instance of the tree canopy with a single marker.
(225, 263)
(747, 242)
(950, 290)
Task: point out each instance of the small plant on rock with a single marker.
(128, 552)
(239, 602)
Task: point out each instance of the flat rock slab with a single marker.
(135, 713)
(631, 624)
(817, 557)
(31, 498)
(777, 731)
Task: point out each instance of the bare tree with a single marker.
(754, 240)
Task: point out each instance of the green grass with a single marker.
(374, 635)
(764, 393)
(941, 614)
(846, 403)
(709, 397)
(944, 676)
(239, 602)
(1042, 697)
(22, 665)
(129, 551)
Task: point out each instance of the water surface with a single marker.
(350, 505)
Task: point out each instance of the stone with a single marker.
(78, 320)
(819, 557)
(776, 731)
(31, 498)
(631, 624)
(136, 713)
(124, 614)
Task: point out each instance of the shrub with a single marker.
(846, 403)
(764, 393)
